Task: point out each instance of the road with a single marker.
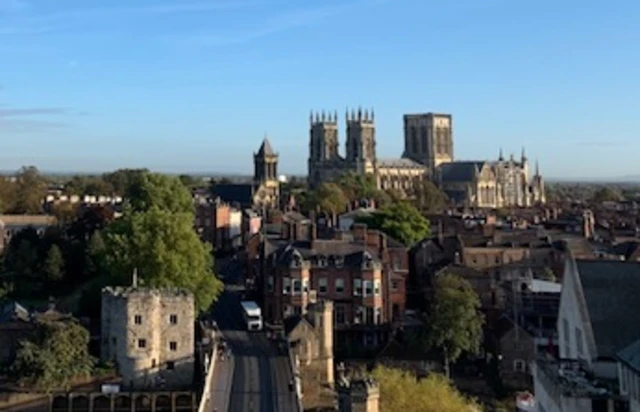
(256, 377)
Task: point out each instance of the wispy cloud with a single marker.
(28, 121)
(32, 111)
(30, 125)
(272, 25)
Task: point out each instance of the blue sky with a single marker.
(194, 85)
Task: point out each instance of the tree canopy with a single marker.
(328, 197)
(357, 187)
(54, 356)
(23, 194)
(149, 190)
(607, 194)
(401, 391)
(399, 220)
(427, 197)
(165, 250)
(455, 322)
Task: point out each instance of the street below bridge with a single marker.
(256, 377)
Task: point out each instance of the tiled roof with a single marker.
(456, 196)
(235, 192)
(460, 171)
(611, 292)
(12, 311)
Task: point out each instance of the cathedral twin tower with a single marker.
(325, 161)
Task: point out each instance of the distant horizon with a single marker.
(600, 180)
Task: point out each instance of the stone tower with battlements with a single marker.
(149, 334)
(428, 139)
(361, 141)
(325, 162)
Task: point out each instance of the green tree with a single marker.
(55, 356)
(64, 212)
(95, 257)
(607, 194)
(54, 264)
(165, 250)
(120, 180)
(7, 194)
(427, 197)
(328, 197)
(455, 323)
(149, 190)
(189, 181)
(358, 187)
(29, 193)
(400, 220)
(401, 391)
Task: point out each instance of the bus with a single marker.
(252, 315)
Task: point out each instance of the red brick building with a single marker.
(212, 223)
(363, 272)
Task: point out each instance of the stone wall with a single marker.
(150, 335)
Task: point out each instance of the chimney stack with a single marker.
(134, 282)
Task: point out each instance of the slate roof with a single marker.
(631, 355)
(456, 196)
(460, 171)
(611, 293)
(401, 162)
(241, 193)
(11, 311)
(291, 322)
(266, 149)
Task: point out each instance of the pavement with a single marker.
(256, 376)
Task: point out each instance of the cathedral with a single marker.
(428, 154)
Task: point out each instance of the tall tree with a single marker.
(95, 257)
(7, 194)
(30, 191)
(358, 187)
(399, 220)
(120, 180)
(455, 323)
(56, 355)
(401, 391)
(54, 264)
(154, 190)
(328, 197)
(165, 250)
(427, 197)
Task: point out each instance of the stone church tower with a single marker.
(361, 141)
(428, 139)
(265, 170)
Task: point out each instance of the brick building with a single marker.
(213, 221)
(363, 272)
